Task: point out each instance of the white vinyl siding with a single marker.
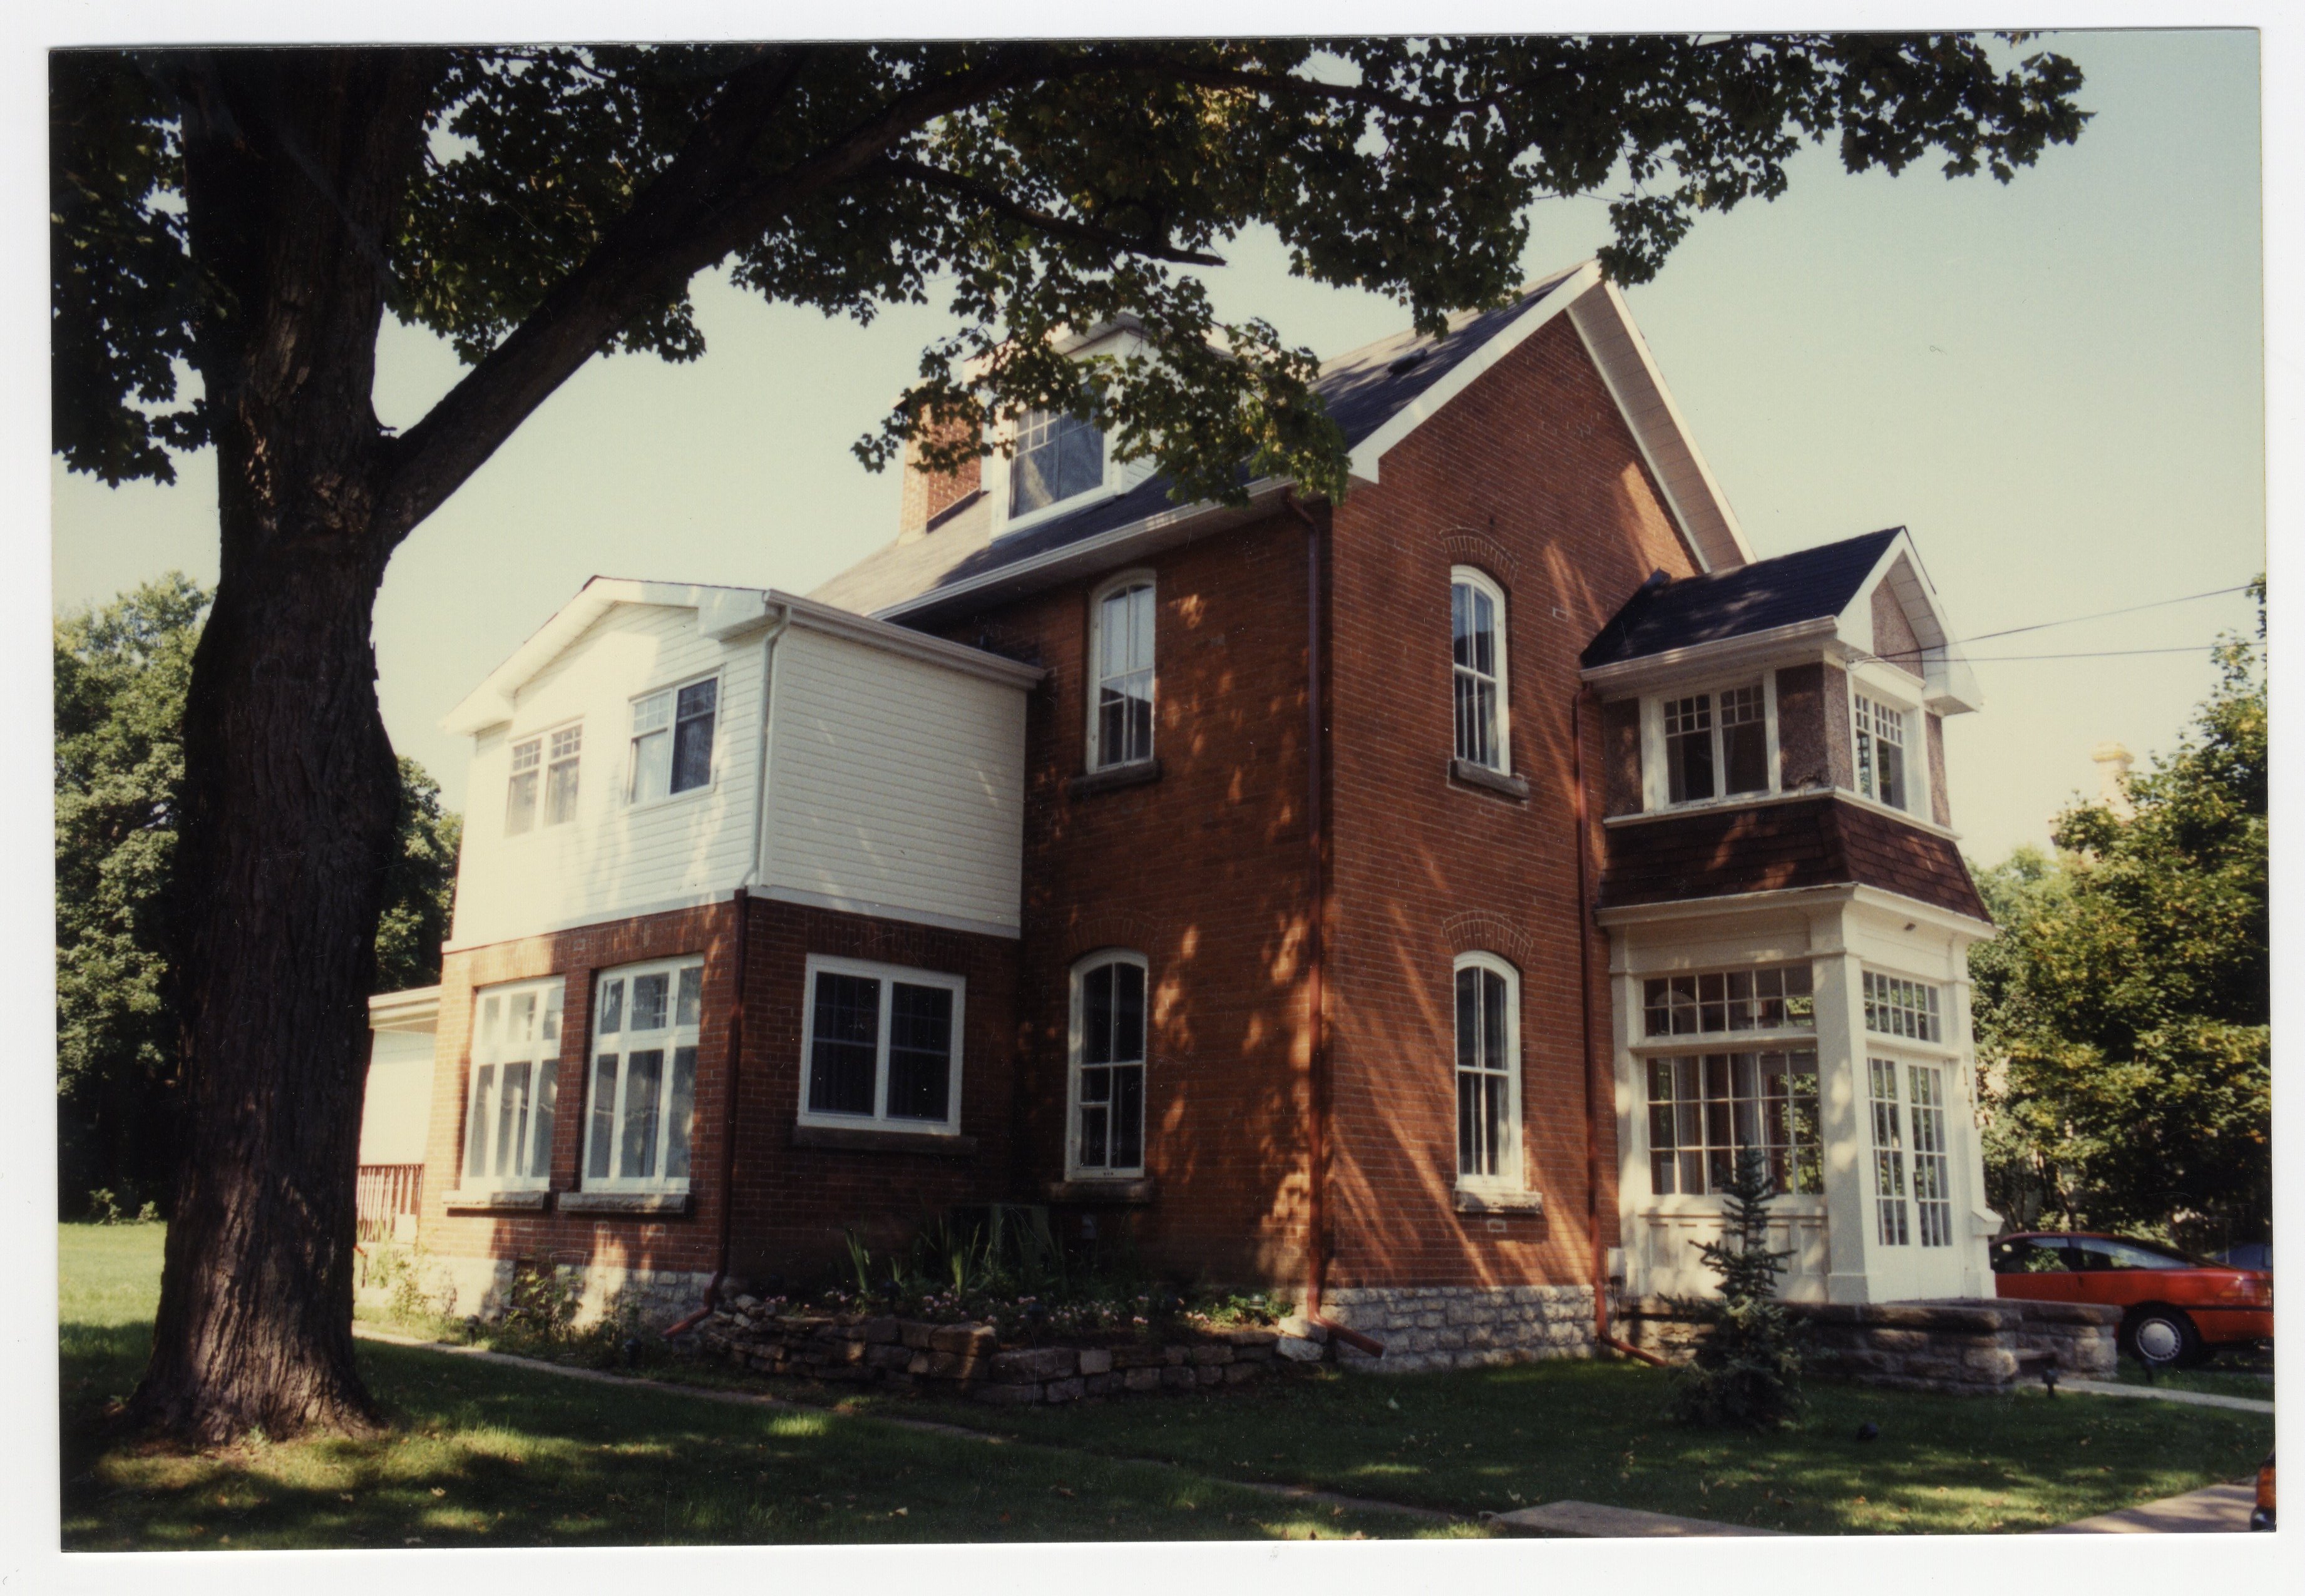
(896, 787)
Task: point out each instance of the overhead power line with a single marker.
(2099, 616)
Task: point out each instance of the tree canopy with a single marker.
(2123, 1016)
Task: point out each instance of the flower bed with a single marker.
(968, 1356)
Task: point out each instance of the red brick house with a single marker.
(1414, 902)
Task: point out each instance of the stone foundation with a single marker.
(968, 1359)
(481, 1287)
(1978, 1346)
(1458, 1327)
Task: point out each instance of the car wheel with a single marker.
(2161, 1336)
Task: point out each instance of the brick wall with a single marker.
(1531, 476)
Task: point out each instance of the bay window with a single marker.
(1108, 1065)
(1768, 997)
(513, 1086)
(882, 1047)
(1488, 1071)
(1708, 1110)
(1892, 1220)
(1715, 744)
(646, 1020)
(1932, 1168)
(1476, 614)
(672, 740)
(1896, 1007)
(1881, 752)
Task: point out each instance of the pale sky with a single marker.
(2057, 385)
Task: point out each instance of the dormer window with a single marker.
(1715, 744)
(1881, 751)
(1058, 456)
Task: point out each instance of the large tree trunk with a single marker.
(295, 162)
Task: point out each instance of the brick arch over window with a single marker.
(1464, 547)
(1107, 928)
(1476, 930)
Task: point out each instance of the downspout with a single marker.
(742, 902)
(1600, 1252)
(1316, 948)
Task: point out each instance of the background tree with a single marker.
(2123, 1016)
(121, 674)
(252, 214)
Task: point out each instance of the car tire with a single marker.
(2163, 1338)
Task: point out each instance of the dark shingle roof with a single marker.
(1363, 391)
(1810, 585)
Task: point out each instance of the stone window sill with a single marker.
(624, 1202)
(1468, 774)
(1113, 1192)
(1499, 1202)
(849, 1139)
(1089, 784)
(494, 1202)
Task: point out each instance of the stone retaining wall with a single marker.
(1981, 1345)
(968, 1358)
(481, 1287)
(1457, 1327)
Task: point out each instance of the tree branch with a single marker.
(1080, 231)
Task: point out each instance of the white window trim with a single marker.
(1074, 1038)
(1092, 683)
(1920, 790)
(720, 711)
(542, 736)
(1760, 1039)
(996, 484)
(1657, 784)
(673, 1036)
(1482, 581)
(888, 975)
(483, 1054)
(1512, 1180)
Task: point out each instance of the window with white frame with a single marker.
(1488, 1071)
(551, 757)
(1896, 1007)
(882, 1047)
(1881, 752)
(513, 1086)
(645, 1022)
(672, 740)
(1107, 1050)
(1476, 621)
(1704, 1003)
(1889, 1156)
(1058, 456)
(1120, 692)
(1707, 1110)
(1932, 1168)
(1716, 744)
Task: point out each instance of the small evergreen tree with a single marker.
(1747, 1370)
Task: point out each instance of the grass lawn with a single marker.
(485, 1456)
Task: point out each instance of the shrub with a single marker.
(1746, 1374)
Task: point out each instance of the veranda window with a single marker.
(644, 1107)
(672, 740)
(1896, 1007)
(882, 1046)
(1109, 1065)
(1707, 1110)
(1476, 609)
(508, 1114)
(1716, 744)
(1932, 1169)
(1488, 1071)
(1120, 714)
(1881, 751)
(1894, 1227)
(1775, 996)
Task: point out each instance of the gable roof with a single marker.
(1377, 395)
(1810, 585)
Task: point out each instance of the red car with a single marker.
(2177, 1306)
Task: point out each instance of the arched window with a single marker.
(1476, 618)
(1488, 1071)
(1107, 1109)
(1120, 673)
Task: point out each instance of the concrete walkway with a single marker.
(2105, 1387)
(2218, 1510)
(1584, 1519)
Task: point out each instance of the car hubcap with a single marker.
(2157, 1340)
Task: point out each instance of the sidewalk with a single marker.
(2105, 1387)
(2217, 1510)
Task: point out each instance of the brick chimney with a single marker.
(929, 493)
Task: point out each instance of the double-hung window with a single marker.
(1120, 696)
(1715, 744)
(882, 1047)
(551, 757)
(513, 1088)
(1488, 1071)
(641, 1128)
(1894, 1222)
(1058, 456)
(1477, 671)
(672, 740)
(1881, 752)
(1107, 1072)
